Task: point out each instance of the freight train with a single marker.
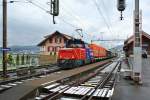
(78, 53)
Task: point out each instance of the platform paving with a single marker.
(126, 89)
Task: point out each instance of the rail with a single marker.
(5, 85)
(58, 90)
(100, 84)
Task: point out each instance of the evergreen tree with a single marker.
(17, 59)
(22, 59)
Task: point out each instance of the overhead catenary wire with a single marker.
(74, 14)
(68, 23)
(101, 14)
(38, 5)
(35, 4)
(107, 15)
(62, 19)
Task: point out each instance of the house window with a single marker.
(59, 40)
(48, 49)
(50, 40)
(56, 40)
(65, 40)
(53, 49)
(58, 48)
(43, 49)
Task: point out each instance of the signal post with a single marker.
(137, 65)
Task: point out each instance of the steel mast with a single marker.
(137, 66)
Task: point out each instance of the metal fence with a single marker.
(20, 60)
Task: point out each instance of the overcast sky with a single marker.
(28, 24)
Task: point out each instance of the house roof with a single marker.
(131, 38)
(56, 32)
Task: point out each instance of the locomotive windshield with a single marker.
(75, 43)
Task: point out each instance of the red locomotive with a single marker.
(78, 53)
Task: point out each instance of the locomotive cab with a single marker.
(75, 43)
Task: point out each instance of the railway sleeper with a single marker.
(102, 94)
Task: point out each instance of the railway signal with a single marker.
(54, 5)
(121, 7)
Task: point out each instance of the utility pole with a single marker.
(4, 38)
(137, 66)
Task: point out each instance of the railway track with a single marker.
(7, 84)
(97, 84)
(13, 71)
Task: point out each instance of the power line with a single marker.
(106, 11)
(73, 15)
(68, 23)
(42, 8)
(70, 10)
(76, 17)
(37, 5)
(107, 15)
(100, 12)
(49, 13)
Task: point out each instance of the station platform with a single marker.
(126, 89)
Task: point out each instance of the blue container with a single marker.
(89, 54)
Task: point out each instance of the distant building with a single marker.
(52, 43)
(129, 43)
